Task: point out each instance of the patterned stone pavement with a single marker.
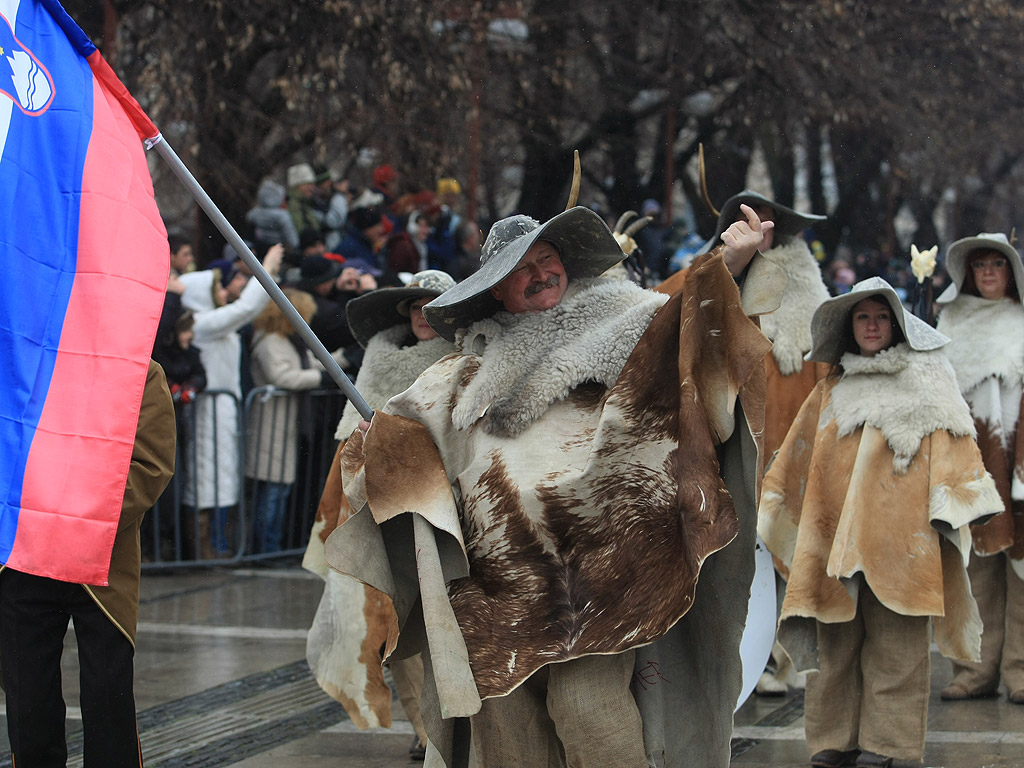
(221, 681)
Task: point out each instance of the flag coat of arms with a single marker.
(85, 263)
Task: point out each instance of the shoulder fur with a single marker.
(906, 395)
(789, 327)
(987, 339)
(389, 369)
(529, 361)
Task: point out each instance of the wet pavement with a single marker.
(221, 680)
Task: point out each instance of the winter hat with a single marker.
(586, 247)
(226, 269)
(448, 186)
(959, 252)
(316, 270)
(384, 308)
(301, 174)
(382, 174)
(831, 320)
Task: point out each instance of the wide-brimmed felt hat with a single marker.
(385, 308)
(960, 251)
(787, 221)
(585, 245)
(829, 323)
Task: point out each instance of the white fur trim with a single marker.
(531, 360)
(987, 339)
(960, 506)
(389, 369)
(789, 327)
(904, 394)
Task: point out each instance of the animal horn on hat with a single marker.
(704, 182)
(577, 173)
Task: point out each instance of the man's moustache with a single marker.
(536, 288)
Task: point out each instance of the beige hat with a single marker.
(300, 174)
(830, 322)
(958, 253)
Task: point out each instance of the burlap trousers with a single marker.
(1000, 596)
(579, 713)
(871, 692)
(408, 677)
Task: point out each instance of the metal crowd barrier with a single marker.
(212, 493)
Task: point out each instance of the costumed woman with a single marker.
(981, 312)
(867, 506)
(353, 621)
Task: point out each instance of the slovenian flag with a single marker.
(84, 269)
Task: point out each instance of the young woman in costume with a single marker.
(867, 506)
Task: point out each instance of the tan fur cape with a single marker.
(586, 533)
(834, 505)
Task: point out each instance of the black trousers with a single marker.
(34, 615)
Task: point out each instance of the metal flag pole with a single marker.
(225, 228)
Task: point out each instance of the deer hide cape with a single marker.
(584, 534)
(834, 506)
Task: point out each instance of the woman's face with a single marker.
(872, 326)
(420, 329)
(991, 271)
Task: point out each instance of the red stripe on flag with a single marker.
(144, 127)
(78, 463)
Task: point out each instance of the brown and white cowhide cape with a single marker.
(585, 532)
(987, 353)
(354, 621)
(881, 481)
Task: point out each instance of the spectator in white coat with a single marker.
(211, 480)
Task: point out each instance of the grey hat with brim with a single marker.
(787, 221)
(586, 248)
(385, 308)
(829, 323)
(959, 252)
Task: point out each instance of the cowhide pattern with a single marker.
(586, 533)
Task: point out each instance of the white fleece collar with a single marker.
(529, 361)
(906, 395)
(987, 339)
(389, 368)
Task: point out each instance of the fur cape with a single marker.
(839, 500)
(789, 327)
(353, 620)
(583, 534)
(790, 378)
(987, 353)
(904, 394)
(534, 359)
(389, 368)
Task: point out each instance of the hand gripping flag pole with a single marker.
(224, 227)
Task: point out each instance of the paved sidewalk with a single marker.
(221, 680)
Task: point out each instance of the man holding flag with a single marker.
(86, 420)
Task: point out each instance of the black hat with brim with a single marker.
(787, 221)
(385, 308)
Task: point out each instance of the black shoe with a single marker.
(834, 758)
(416, 750)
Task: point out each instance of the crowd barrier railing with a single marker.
(248, 478)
